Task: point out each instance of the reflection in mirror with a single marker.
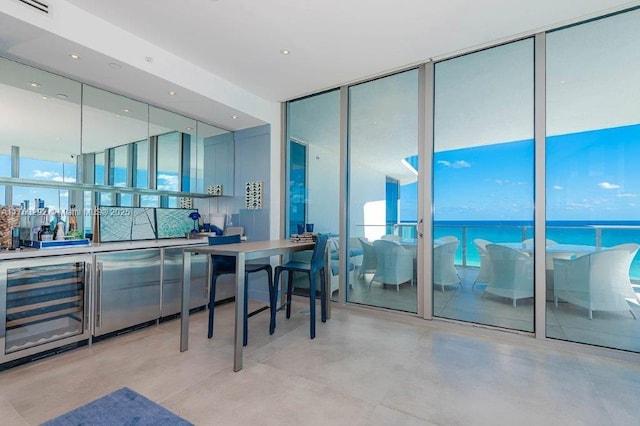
(218, 154)
(168, 162)
(110, 121)
(176, 150)
(141, 164)
(40, 116)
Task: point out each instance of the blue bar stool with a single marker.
(227, 265)
(317, 266)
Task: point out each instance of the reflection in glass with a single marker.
(483, 187)
(141, 164)
(41, 116)
(99, 169)
(168, 162)
(178, 166)
(383, 140)
(118, 162)
(593, 129)
(313, 172)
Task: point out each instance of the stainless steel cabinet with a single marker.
(127, 289)
(43, 304)
(172, 281)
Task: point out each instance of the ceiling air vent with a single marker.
(39, 5)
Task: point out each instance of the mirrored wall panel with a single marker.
(40, 116)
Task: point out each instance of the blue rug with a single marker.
(122, 407)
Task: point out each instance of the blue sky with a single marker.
(591, 176)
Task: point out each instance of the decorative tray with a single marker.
(56, 243)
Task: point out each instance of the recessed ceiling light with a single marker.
(562, 81)
(74, 56)
(45, 97)
(114, 65)
(148, 59)
(285, 51)
(234, 116)
(172, 93)
(117, 115)
(62, 96)
(125, 109)
(34, 84)
(188, 128)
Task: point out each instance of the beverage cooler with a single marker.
(43, 304)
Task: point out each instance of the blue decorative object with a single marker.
(194, 216)
(217, 230)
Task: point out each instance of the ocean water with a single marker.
(561, 232)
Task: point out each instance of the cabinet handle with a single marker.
(86, 284)
(420, 228)
(98, 294)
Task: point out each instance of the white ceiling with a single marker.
(332, 42)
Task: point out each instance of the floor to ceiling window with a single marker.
(483, 184)
(313, 174)
(383, 148)
(592, 153)
(483, 187)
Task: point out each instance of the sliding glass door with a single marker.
(483, 187)
(592, 152)
(383, 189)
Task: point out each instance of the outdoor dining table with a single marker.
(242, 252)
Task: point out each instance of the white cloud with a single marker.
(558, 187)
(461, 164)
(607, 185)
(498, 181)
(626, 195)
(167, 182)
(44, 174)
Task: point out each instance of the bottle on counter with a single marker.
(73, 222)
(59, 232)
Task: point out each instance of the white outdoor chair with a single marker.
(394, 263)
(485, 269)
(511, 273)
(598, 281)
(444, 269)
(369, 261)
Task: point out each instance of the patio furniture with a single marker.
(485, 269)
(444, 270)
(597, 281)
(369, 260)
(222, 265)
(511, 273)
(394, 263)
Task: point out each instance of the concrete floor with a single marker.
(365, 367)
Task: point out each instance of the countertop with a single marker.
(26, 253)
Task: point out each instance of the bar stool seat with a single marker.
(227, 265)
(312, 269)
